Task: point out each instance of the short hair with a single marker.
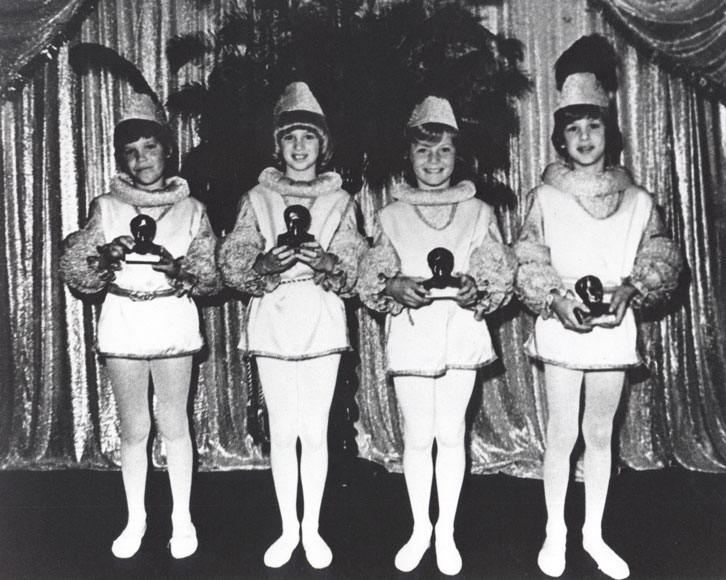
(132, 130)
(613, 136)
(431, 134)
(309, 121)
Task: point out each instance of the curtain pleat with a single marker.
(56, 405)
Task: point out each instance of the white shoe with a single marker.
(409, 556)
(128, 543)
(183, 545)
(551, 558)
(448, 558)
(317, 551)
(280, 552)
(606, 559)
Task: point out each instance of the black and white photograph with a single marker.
(362, 289)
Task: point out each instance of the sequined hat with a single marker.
(141, 107)
(298, 107)
(433, 110)
(582, 88)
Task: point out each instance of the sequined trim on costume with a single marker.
(248, 353)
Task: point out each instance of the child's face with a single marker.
(145, 161)
(585, 143)
(433, 164)
(300, 149)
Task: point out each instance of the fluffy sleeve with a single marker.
(536, 278)
(493, 266)
(347, 246)
(378, 264)
(657, 265)
(239, 251)
(80, 264)
(199, 266)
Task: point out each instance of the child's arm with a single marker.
(377, 267)
(658, 264)
(536, 282)
(492, 266)
(338, 271)
(240, 250)
(197, 272)
(88, 263)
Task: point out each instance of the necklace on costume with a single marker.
(445, 225)
(165, 211)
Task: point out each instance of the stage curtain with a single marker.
(56, 408)
(691, 33)
(29, 27)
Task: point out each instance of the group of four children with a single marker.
(587, 218)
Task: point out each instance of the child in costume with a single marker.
(435, 346)
(296, 324)
(148, 325)
(587, 218)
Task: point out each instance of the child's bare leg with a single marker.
(416, 398)
(171, 378)
(563, 404)
(452, 392)
(602, 396)
(317, 378)
(130, 383)
(279, 384)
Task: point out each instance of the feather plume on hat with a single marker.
(140, 101)
(586, 73)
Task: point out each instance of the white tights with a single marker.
(130, 383)
(298, 395)
(602, 395)
(433, 408)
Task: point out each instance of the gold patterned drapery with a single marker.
(690, 34)
(56, 408)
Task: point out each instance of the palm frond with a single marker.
(191, 100)
(187, 48)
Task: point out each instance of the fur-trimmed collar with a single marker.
(323, 184)
(460, 192)
(599, 195)
(123, 188)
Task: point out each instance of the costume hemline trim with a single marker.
(149, 357)
(442, 372)
(580, 367)
(251, 353)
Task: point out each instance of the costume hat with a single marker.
(433, 110)
(298, 107)
(586, 73)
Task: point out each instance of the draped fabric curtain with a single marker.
(691, 33)
(56, 407)
(28, 27)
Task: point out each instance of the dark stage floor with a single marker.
(668, 524)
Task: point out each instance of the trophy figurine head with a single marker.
(590, 290)
(297, 219)
(143, 229)
(441, 262)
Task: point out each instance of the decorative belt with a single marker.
(295, 280)
(140, 295)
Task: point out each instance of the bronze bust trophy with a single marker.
(297, 221)
(143, 229)
(592, 294)
(442, 284)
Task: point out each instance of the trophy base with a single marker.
(443, 293)
(134, 258)
(603, 320)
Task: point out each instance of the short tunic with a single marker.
(581, 245)
(428, 341)
(299, 319)
(166, 326)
